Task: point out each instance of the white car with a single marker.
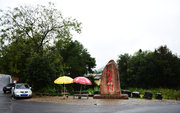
(21, 90)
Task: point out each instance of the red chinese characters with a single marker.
(109, 81)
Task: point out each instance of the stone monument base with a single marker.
(122, 96)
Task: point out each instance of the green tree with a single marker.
(124, 71)
(142, 75)
(40, 24)
(167, 68)
(28, 31)
(77, 60)
(15, 57)
(146, 69)
(40, 72)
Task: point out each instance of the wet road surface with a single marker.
(31, 107)
(9, 105)
(5, 103)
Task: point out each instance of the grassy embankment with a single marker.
(166, 93)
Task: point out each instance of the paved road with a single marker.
(8, 105)
(5, 103)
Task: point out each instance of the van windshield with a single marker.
(22, 86)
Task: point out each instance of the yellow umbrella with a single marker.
(64, 80)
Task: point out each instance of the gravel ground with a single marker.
(91, 101)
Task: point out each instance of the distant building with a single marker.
(97, 77)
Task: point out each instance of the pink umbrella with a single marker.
(82, 80)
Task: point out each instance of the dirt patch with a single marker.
(91, 101)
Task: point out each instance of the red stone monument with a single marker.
(110, 85)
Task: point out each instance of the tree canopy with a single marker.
(146, 69)
(77, 59)
(36, 41)
(38, 25)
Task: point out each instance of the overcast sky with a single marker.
(114, 27)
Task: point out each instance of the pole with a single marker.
(64, 89)
(80, 88)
